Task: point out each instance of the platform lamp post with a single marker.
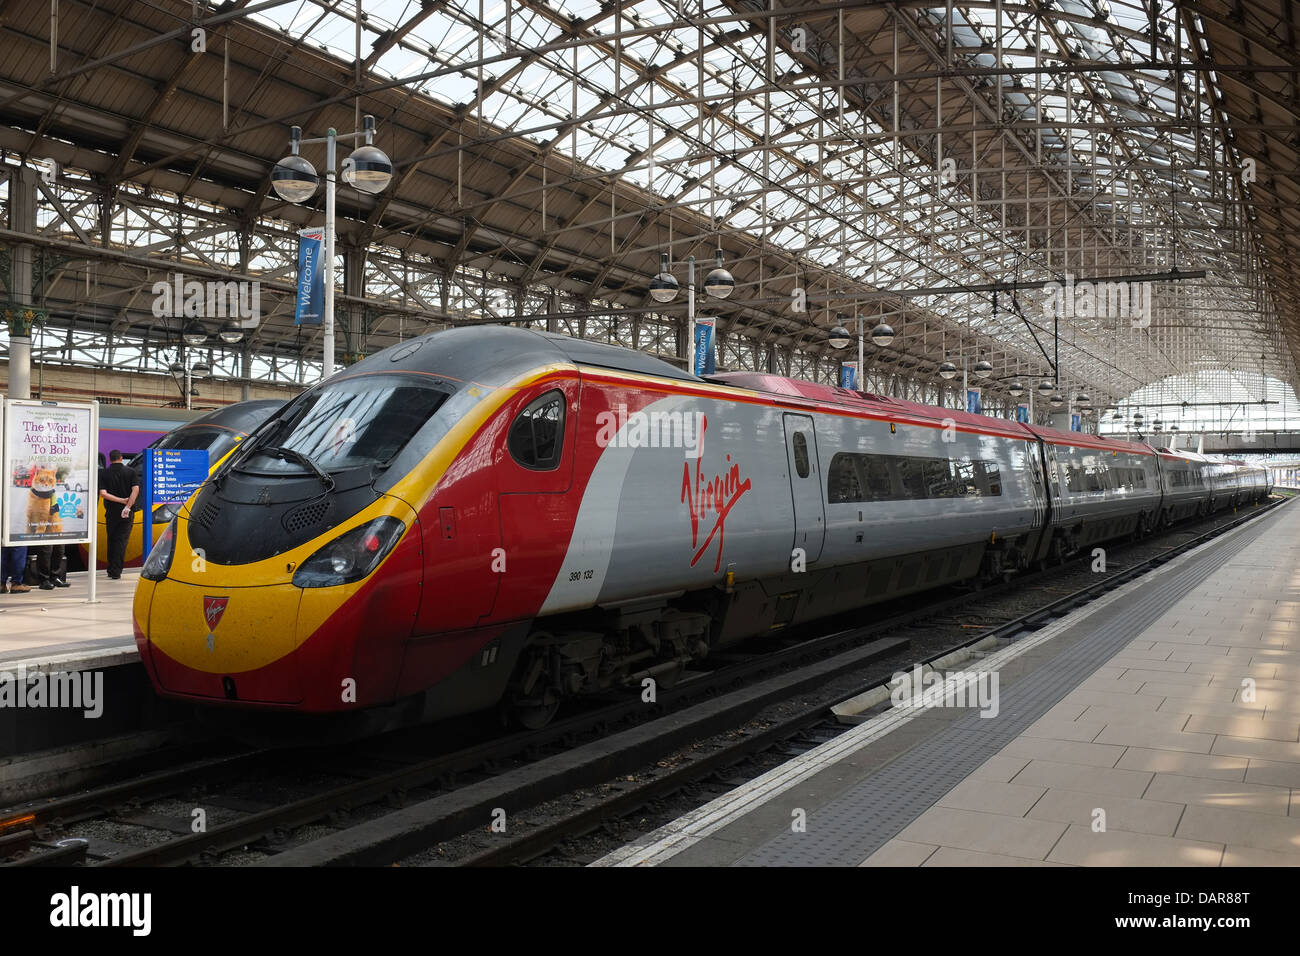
(195, 335)
(719, 284)
(838, 337)
(368, 170)
(185, 374)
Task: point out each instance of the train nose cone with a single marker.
(202, 638)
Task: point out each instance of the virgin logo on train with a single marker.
(715, 497)
(213, 608)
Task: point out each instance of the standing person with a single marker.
(13, 567)
(50, 570)
(120, 489)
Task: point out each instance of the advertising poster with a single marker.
(51, 472)
(973, 401)
(1022, 413)
(849, 375)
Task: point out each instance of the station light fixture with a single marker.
(983, 368)
(1046, 387)
(1016, 389)
(194, 333)
(663, 287)
(947, 371)
(294, 179)
(838, 337)
(882, 335)
(230, 333)
(368, 169)
(719, 283)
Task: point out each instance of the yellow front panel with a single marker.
(255, 629)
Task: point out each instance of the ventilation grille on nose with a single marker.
(308, 515)
(207, 515)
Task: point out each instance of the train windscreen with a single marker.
(353, 423)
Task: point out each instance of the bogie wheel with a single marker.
(533, 699)
(536, 714)
(669, 677)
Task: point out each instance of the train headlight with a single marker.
(350, 556)
(166, 512)
(159, 561)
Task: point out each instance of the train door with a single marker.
(805, 485)
(1038, 488)
(534, 466)
(1054, 473)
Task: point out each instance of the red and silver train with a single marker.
(496, 515)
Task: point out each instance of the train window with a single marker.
(911, 476)
(842, 480)
(1074, 478)
(350, 423)
(867, 478)
(992, 478)
(800, 454)
(1093, 475)
(537, 433)
(879, 486)
(939, 481)
(963, 473)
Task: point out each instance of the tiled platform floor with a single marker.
(1188, 741)
(40, 626)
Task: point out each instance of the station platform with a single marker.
(1157, 726)
(58, 630)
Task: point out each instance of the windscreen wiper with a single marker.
(292, 454)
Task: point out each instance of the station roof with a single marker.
(564, 145)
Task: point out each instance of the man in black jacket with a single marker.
(119, 490)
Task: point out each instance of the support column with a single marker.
(354, 284)
(246, 373)
(19, 313)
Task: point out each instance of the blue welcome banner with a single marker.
(973, 401)
(310, 308)
(704, 363)
(1076, 423)
(849, 375)
(1022, 413)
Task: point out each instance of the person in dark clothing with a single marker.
(119, 490)
(50, 569)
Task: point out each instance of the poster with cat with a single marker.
(50, 481)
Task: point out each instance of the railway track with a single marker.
(456, 790)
